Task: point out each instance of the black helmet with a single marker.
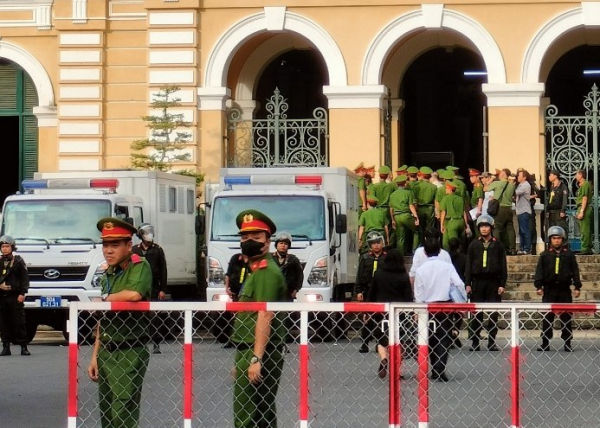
(6, 239)
(284, 237)
(146, 232)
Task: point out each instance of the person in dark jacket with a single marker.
(485, 279)
(390, 284)
(155, 255)
(367, 266)
(288, 264)
(556, 271)
(14, 284)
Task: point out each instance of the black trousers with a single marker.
(440, 325)
(484, 290)
(12, 320)
(566, 325)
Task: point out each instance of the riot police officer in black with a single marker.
(485, 278)
(556, 208)
(14, 284)
(290, 266)
(556, 271)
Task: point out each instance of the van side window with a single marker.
(138, 216)
(121, 212)
(172, 199)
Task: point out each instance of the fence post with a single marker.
(188, 369)
(515, 369)
(73, 330)
(395, 359)
(304, 369)
(423, 363)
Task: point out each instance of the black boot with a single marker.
(545, 346)
(24, 350)
(5, 349)
(492, 345)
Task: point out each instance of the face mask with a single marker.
(252, 248)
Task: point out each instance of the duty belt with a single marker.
(401, 212)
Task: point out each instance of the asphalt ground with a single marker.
(558, 389)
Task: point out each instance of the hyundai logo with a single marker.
(51, 274)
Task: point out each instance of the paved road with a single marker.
(344, 388)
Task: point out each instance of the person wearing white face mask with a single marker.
(155, 255)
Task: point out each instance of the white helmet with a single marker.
(485, 219)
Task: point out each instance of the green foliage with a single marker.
(159, 152)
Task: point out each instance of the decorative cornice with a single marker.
(355, 97)
(513, 94)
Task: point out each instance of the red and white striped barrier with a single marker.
(395, 350)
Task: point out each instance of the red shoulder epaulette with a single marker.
(260, 264)
(135, 258)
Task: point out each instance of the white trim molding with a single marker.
(586, 16)
(46, 116)
(34, 68)
(213, 98)
(355, 97)
(219, 59)
(432, 16)
(513, 94)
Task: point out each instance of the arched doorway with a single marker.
(19, 146)
(572, 124)
(442, 121)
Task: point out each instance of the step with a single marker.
(530, 267)
(530, 276)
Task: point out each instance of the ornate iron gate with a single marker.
(387, 131)
(277, 141)
(572, 143)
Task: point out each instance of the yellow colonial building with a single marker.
(311, 82)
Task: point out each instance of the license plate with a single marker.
(50, 301)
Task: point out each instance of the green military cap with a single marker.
(115, 229)
(401, 179)
(450, 185)
(412, 170)
(425, 170)
(372, 199)
(440, 172)
(447, 175)
(254, 221)
(401, 168)
(460, 177)
(384, 169)
(452, 168)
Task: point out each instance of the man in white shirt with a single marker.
(420, 257)
(432, 285)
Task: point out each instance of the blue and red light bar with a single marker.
(231, 180)
(71, 183)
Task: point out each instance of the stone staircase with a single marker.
(521, 273)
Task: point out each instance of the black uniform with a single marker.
(158, 263)
(485, 272)
(390, 285)
(14, 282)
(291, 268)
(155, 256)
(557, 204)
(556, 271)
(237, 271)
(367, 265)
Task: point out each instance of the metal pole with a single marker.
(485, 136)
(595, 154)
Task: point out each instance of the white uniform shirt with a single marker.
(433, 280)
(420, 257)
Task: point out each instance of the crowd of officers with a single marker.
(404, 206)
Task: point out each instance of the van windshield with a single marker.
(54, 221)
(301, 216)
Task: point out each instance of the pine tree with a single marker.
(162, 151)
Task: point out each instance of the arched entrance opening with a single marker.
(19, 145)
(443, 119)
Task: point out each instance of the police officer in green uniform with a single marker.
(401, 170)
(120, 355)
(556, 207)
(412, 179)
(425, 192)
(372, 219)
(504, 230)
(259, 336)
(453, 217)
(584, 211)
(461, 187)
(440, 194)
(404, 214)
(382, 192)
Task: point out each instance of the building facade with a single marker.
(396, 82)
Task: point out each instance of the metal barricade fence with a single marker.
(325, 381)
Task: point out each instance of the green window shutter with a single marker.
(30, 94)
(8, 87)
(30, 146)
